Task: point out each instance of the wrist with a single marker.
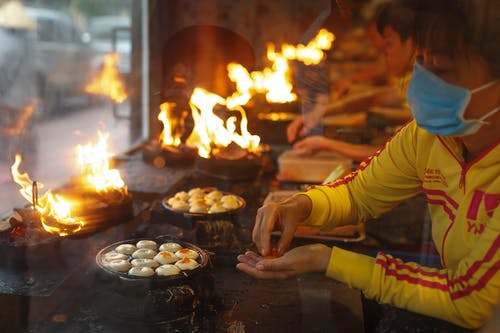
(322, 254)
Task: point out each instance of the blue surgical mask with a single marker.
(439, 106)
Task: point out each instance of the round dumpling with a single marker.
(217, 208)
(165, 257)
(144, 254)
(180, 205)
(196, 192)
(215, 194)
(171, 247)
(141, 271)
(182, 196)
(187, 264)
(146, 244)
(211, 201)
(187, 253)
(119, 265)
(114, 255)
(230, 202)
(196, 200)
(167, 270)
(199, 208)
(126, 248)
(144, 263)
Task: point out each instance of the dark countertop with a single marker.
(69, 298)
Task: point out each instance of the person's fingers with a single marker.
(247, 259)
(294, 129)
(264, 225)
(259, 274)
(285, 239)
(256, 229)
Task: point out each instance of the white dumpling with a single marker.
(114, 255)
(187, 253)
(146, 244)
(126, 248)
(141, 271)
(187, 264)
(167, 270)
(144, 254)
(144, 263)
(165, 257)
(119, 265)
(171, 247)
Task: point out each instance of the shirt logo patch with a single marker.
(434, 176)
(489, 202)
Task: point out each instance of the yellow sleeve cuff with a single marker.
(351, 268)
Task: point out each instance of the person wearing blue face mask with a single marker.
(451, 153)
(439, 106)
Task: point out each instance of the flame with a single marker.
(173, 127)
(275, 81)
(211, 132)
(55, 211)
(108, 83)
(50, 207)
(94, 166)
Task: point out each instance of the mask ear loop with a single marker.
(489, 114)
(484, 86)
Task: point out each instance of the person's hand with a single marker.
(302, 259)
(302, 125)
(285, 216)
(312, 145)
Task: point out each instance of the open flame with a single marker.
(173, 127)
(108, 83)
(211, 132)
(55, 210)
(275, 81)
(50, 207)
(94, 166)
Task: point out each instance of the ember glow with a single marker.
(94, 166)
(275, 81)
(108, 83)
(50, 207)
(173, 127)
(211, 132)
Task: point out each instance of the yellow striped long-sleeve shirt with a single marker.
(463, 200)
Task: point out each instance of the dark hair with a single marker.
(458, 26)
(399, 15)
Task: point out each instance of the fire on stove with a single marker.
(95, 199)
(220, 133)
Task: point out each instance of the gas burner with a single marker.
(158, 156)
(24, 243)
(232, 163)
(97, 210)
